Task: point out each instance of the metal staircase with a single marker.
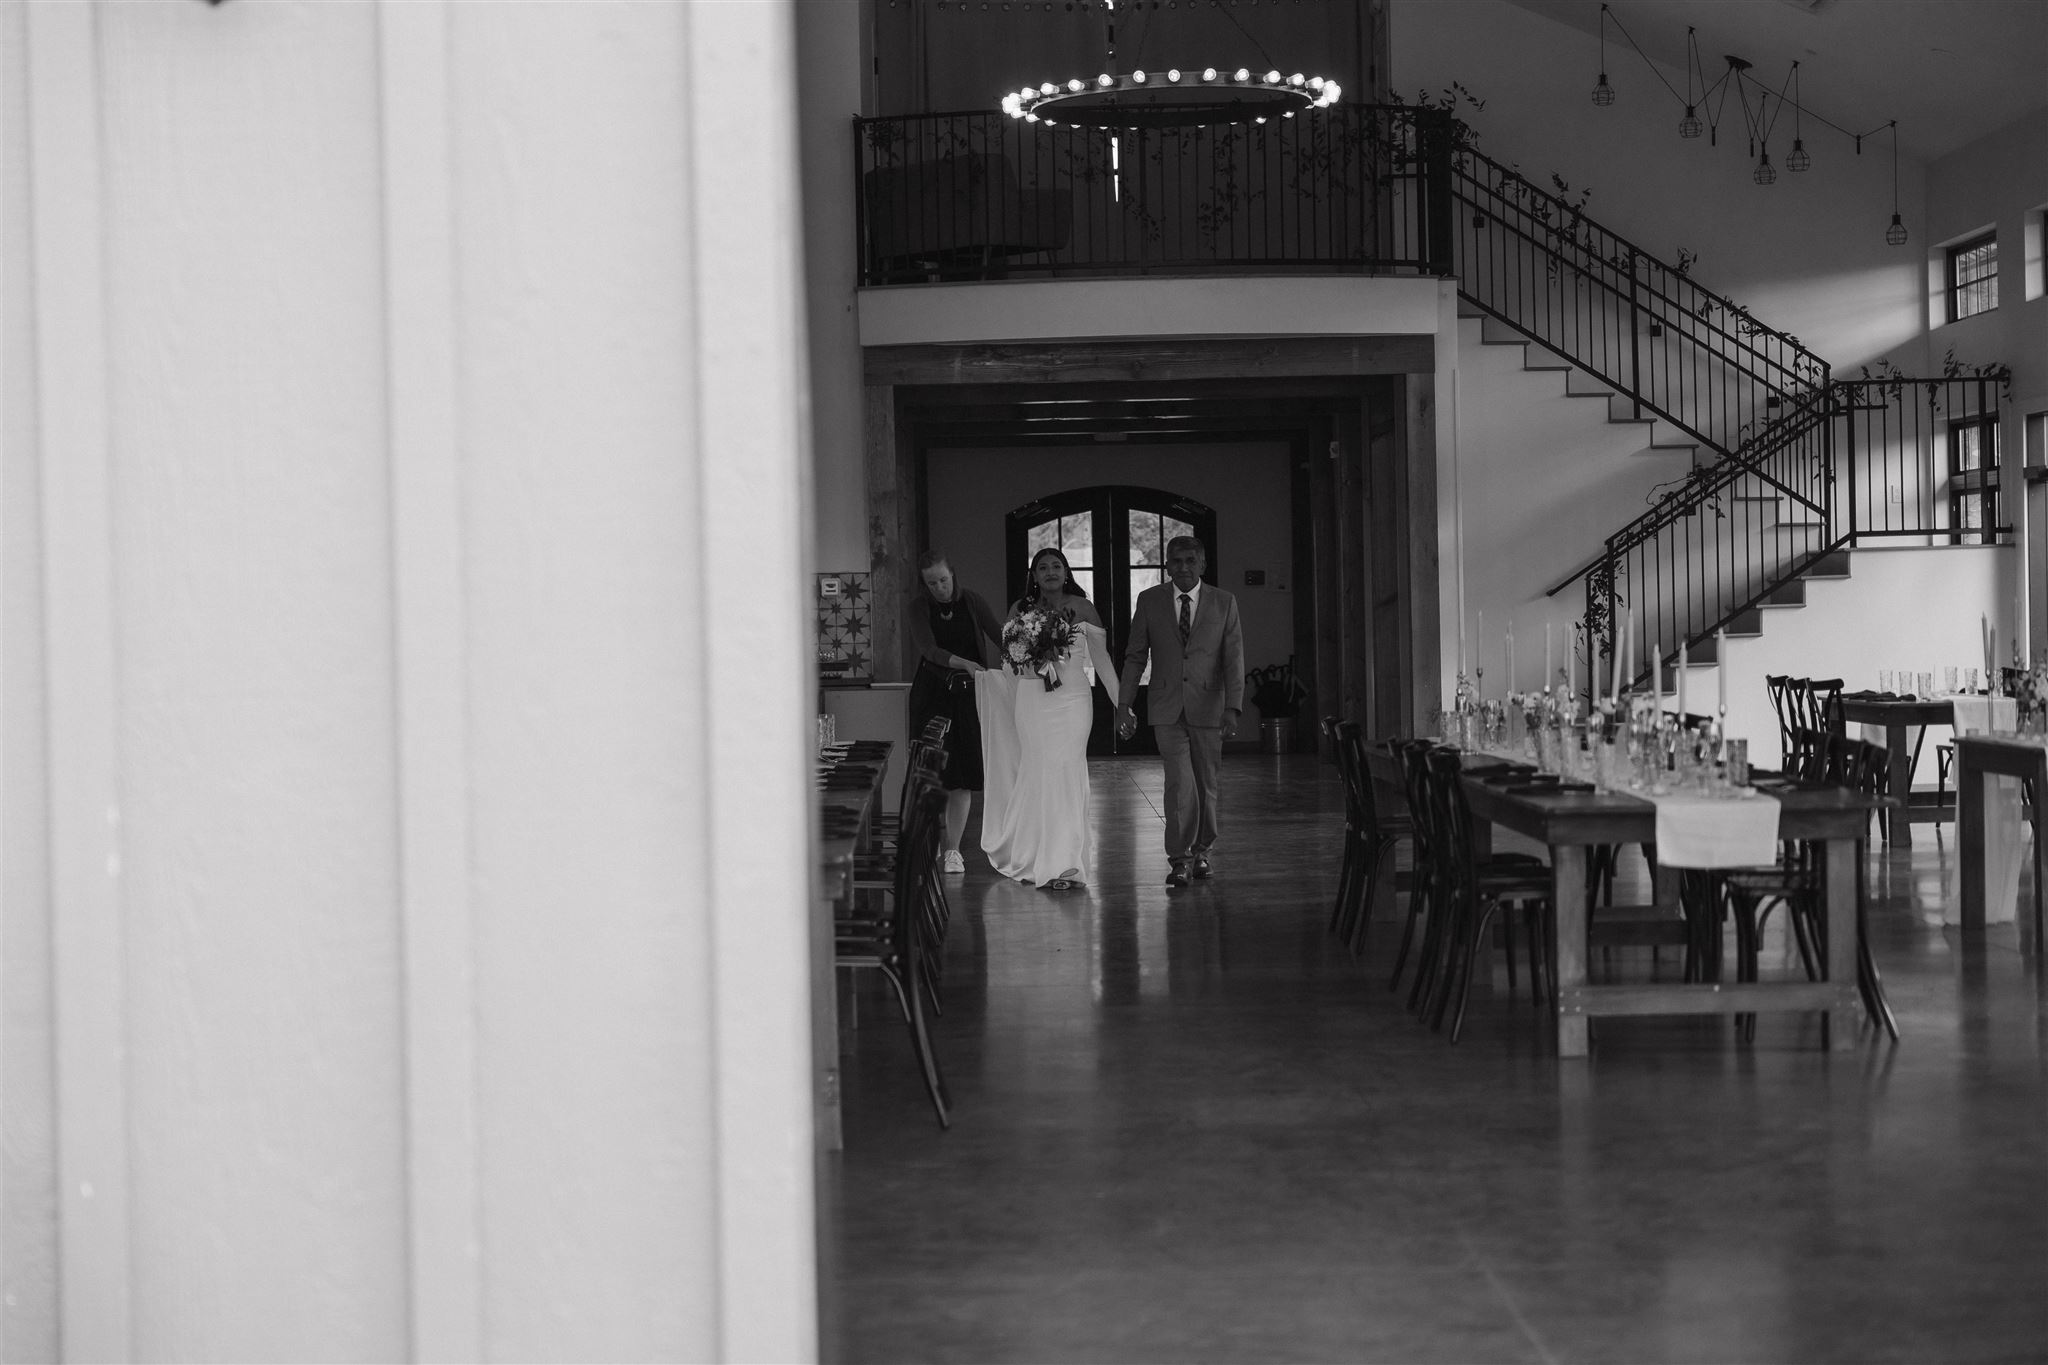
(1792, 468)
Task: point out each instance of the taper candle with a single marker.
(1681, 680)
(1721, 672)
(1547, 672)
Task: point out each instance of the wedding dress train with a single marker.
(1034, 822)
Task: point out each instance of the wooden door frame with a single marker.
(1371, 537)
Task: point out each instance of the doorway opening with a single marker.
(1114, 537)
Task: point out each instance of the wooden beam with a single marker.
(1156, 360)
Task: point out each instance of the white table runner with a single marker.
(1717, 831)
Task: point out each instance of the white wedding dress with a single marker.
(1034, 753)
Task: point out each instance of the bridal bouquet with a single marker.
(1036, 642)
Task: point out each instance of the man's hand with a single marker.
(1230, 724)
(1126, 722)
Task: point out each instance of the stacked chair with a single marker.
(1458, 897)
(897, 919)
(1370, 835)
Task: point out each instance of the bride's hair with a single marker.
(1073, 589)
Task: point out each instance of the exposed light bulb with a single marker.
(1296, 79)
(1105, 80)
(1603, 93)
(1798, 159)
(1764, 174)
(1272, 78)
(1076, 86)
(1244, 73)
(1137, 78)
(1209, 73)
(1895, 235)
(1690, 125)
(1174, 75)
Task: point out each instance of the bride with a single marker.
(1034, 824)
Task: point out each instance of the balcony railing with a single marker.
(1354, 189)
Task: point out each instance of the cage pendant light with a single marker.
(1797, 159)
(1895, 235)
(1603, 93)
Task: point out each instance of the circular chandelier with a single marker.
(1171, 99)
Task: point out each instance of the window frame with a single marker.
(1954, 287)
(1979, 482)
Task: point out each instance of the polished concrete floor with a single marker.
(1189, 1126)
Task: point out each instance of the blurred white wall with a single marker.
(405, 684)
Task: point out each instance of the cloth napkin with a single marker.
(1986, 714)
(1708, 831)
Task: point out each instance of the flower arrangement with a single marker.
(1036, 641)
(1277, 690)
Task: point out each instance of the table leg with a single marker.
(1972, 791)
(1898, 824)
(1568, 953)
(1846, 1018)
(2031, 927)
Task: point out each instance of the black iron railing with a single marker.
(1671, 347)
(1890, 461)
(1354, 188)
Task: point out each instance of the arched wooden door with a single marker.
(1114, 537)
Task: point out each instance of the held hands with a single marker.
(1126, 722)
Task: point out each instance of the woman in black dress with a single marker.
(948, 624)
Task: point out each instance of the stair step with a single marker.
(1833, 564)
(1792, 594)
(1494, 332)
(1584, 385)
(1467, 309)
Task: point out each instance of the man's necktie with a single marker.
(1186, 619)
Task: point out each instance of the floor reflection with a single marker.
(1189, 1126)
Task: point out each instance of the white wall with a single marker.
(1542, 480)
(1997, 182)
(971, 490)
(1806, 255)
(418, 950)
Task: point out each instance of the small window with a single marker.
(1973, 482)
(1973, 277)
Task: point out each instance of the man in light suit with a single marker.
(1191, 631)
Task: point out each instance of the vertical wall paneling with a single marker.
(28, 1089)
(433, 796)
(752, 431)
(84, 788)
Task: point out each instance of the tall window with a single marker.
(1973, 481)
(1073, 535)
(1973, 277)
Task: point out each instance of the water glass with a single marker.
(1737, 752)
(1948, 680)
(1886, 680)
(1925, 690)
(1970, 675)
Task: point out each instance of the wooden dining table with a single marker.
(1898, 717)
(1977, 758)
(846, 813)
(1570, 824)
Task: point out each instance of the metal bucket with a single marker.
(1277, 736)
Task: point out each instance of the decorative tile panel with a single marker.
(846, 627)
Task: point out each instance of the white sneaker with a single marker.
(955, 863)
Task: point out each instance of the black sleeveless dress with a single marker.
(937, 691)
